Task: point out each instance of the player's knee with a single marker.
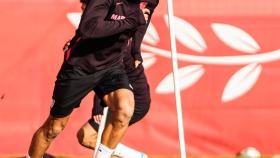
(124, 111)
(52, 132)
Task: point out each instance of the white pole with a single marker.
(175, 78)
(100, 129)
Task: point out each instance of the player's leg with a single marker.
(142, 104)
(141, 91)
(117, 95)
(70, 87)
(87, 136)
(45, 134)
(142, 99)
(121, 105)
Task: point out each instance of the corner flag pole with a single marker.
(100, 130)
(175, 78)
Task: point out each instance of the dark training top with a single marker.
(105, 27)
(133, 50)
(136, 76)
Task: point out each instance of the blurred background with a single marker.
(229, 53)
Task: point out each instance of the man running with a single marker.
(94, 62)
(87, 135)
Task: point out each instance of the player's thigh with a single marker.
(142, 99)
(115, 89)
(71, 86)
(141, 91)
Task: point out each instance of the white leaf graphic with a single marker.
(188, 76)
(241, 82)
(148, 59)
(151, 36)
(236, 38)
(188, 35)
(74, 18)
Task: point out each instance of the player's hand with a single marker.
(137, 63)
(97, 118)
(66, 46)
(146, 13)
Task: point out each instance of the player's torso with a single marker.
(96, 54)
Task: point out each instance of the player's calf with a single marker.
(87, 136)
(45, 134)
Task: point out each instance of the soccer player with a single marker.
(94, 62)
(87, 135)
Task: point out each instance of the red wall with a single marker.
(228, 103)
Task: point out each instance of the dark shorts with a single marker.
(73, 84)
(141, 93)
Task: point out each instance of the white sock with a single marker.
(127, 152)
(104, 152)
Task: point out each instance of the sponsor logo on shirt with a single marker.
(117, 17)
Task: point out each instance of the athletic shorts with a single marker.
(73, 84)
(141, 93)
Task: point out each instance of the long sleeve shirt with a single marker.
(105, 27)
(139, 34)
